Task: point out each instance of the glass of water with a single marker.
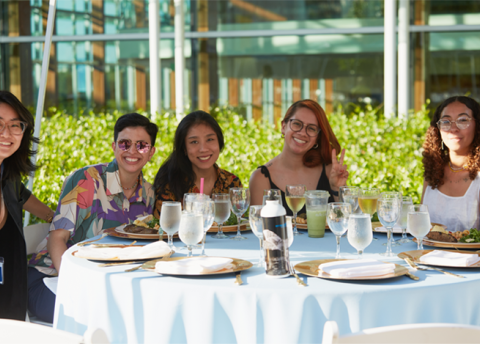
(349, 194)
(337, 219)
(222, 212)
(191, 229)
(256, 223)
(189, 198)
(240, 199)
(206, 208)
(388, 211)
(360, 232)
(406, 202)
(418, 223)
(170, 219)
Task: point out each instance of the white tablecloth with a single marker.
(143, 307)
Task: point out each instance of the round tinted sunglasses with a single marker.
(142, 146)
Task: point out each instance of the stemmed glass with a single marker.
(391, 195)
(256, 223)
(170, 219)
(349, 194)
(277, 195)
(337, 218)
(191, 229)
(367, 201)
(388, 210)
(418, 223)
(206, 208)
(360, 232)
(406, 202)
(240, 198)
(222, 213)
(295, 197)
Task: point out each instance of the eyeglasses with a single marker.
(462, 123)
(142, 146)
(297, 125)
(15, 127)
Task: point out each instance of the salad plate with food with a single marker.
(440, 237)
(144, 228)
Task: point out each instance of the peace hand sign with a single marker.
(339, 173)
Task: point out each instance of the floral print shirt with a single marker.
(225, 181)
(91, 201)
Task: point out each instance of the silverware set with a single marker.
(425, 268)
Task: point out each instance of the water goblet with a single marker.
(240, 199)
(367, 200)
(256, 223)
(359, 232)
(295, 197)
(189, 198)
(388, 210)
(391, 195)
(349, 194)
(191, 229)
(418, 223)
(222, 212)
(170, 219)
(406, 202)
(275, 193)
(206, 208)
(337, 219)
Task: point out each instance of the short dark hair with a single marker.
(20, 164)
(135, 120)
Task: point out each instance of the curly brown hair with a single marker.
(435, 159)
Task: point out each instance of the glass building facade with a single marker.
(259, 56)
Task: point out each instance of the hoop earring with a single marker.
(315, 146)
(442, 144)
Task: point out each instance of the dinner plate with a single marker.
(244, 225)
(118, 232)
(116, 259)
(415, 255)
(378, 224)
(238, 265)
(310, 268)
(449, 245)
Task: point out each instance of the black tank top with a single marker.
(323, 184)
(13, 291)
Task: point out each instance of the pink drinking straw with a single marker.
(201, 185)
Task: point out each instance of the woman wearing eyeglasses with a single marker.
(16, 138)
(95, 198)
(451, 160)
(309, 156)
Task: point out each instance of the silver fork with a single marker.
(423, 267)
(292, 272)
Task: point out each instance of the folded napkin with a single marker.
(192, 266)
(357, 268)
(396, 229)
(447, 258)
(153, 250)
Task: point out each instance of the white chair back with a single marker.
(34, 234)
(19, 332)
(434, 333)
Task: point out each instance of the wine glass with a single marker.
(222, 212)
(295, 197)
(277, 195)
(349, 194)
(391, 195)
(406, 202)
(337, 218)
(367, 200)
(240, 198)
(191, 229)
(359, 232)
(170, 219)
(418, 223)
(206, 208)
(388, 210)
(256, 223)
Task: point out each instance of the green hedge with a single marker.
(383, 153)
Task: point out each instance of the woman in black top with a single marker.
(16, 137)
(309, 156)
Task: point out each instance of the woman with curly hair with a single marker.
(451, 160)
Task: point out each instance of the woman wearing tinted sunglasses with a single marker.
(95, 198)
(309, 156)
(451, 160)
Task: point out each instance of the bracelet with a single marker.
(49, 219)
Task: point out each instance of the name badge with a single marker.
(1, 270)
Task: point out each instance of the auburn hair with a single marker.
(326, 139)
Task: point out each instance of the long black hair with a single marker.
(177, 171)
(20, 164)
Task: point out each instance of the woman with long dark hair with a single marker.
(197, 146)
(16, 139)
(451, 160)
(309, 156)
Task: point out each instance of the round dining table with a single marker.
(144, 307)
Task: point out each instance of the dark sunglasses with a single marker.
(142, 146)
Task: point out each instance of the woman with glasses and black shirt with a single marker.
(451, 160)
(309, 156)
(16, 138)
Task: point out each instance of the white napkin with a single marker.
(439, 257)
(357, 268)
(192, 266)
(396, 229)
(153, 250)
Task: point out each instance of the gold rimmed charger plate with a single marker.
(238, 265)
(415, 255)
(449, 245)
(118, 232)
(377, 224)
(310, 268)
(244, 225)
(116, 259)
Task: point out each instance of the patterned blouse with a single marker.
(225, 181)
(91, 201)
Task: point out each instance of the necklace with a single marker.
(128, 188)
(455, 170)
